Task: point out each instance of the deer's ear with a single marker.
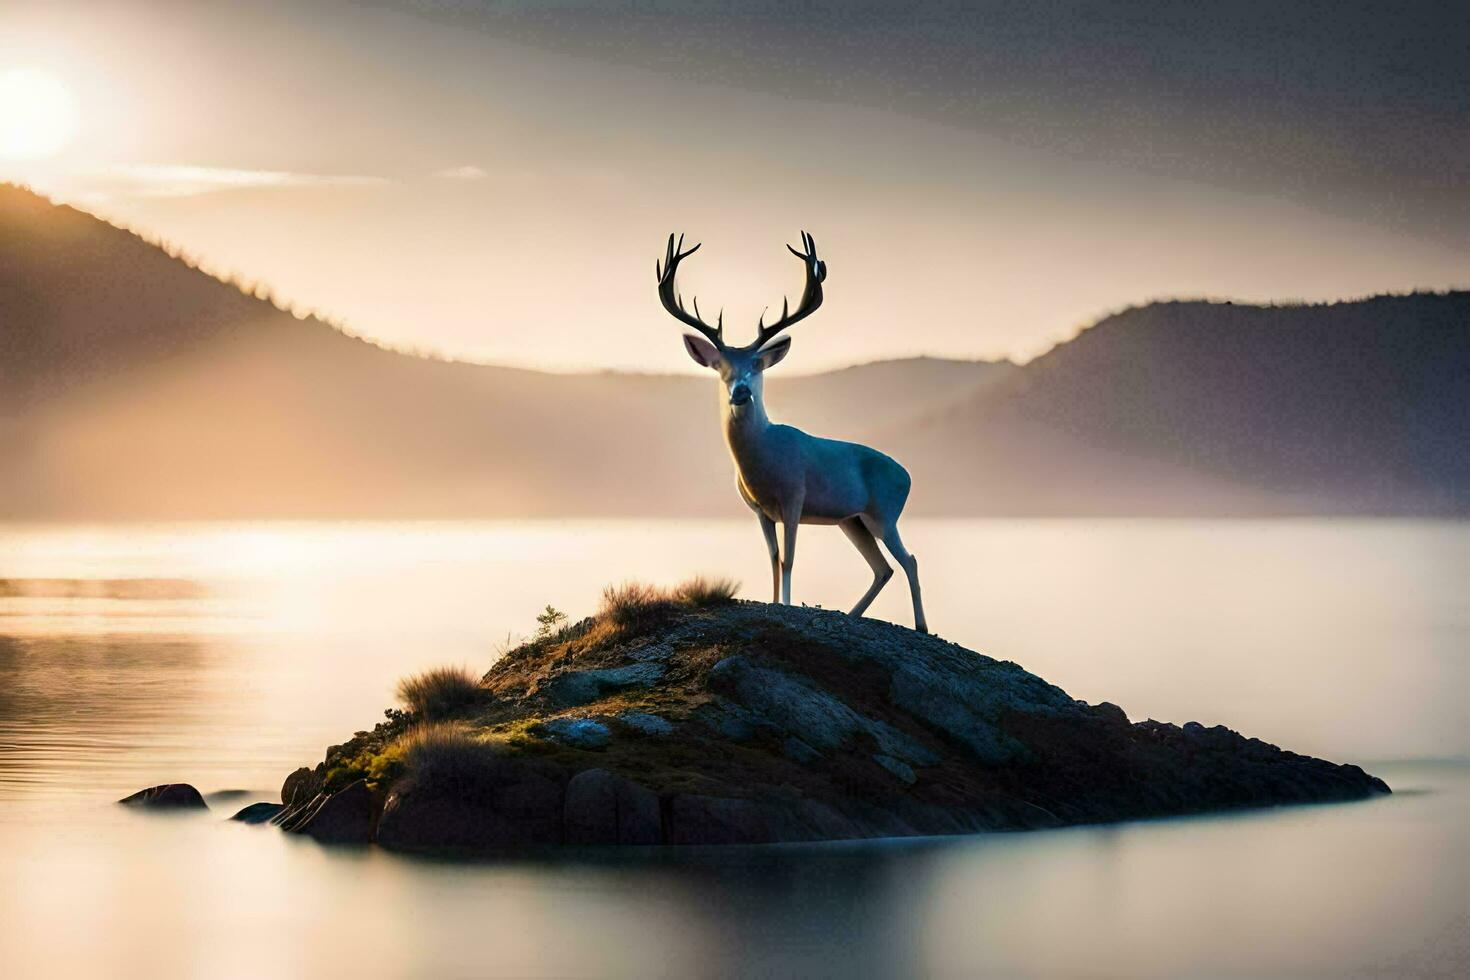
(704, 353)
(772, 355)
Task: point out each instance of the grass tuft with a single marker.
(446, 759)
(701, 592)
(638, 605)
(441, 693)
(633, 605)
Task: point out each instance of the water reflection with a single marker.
(101, 588)
(1345, 639)
(79, 715)
(1363, 888)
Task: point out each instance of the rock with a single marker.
(696, 819)
(805, 711)
(167, 796)
(258, 813)
(730, 721)
(578, 687)
(509, 804)
(822, 822)
(900, 769)
(958, 707)
(646, 723)
(751, 723)
(715, 820)
(795, 749)
(584, 733)
(225, 796)
(302, 785)
(604, 808)
(344, 817)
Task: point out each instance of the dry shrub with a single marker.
(701, 592)
(637, 606)
(440, 693)
(633, 605)
(445, 759)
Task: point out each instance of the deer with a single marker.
(782, 473)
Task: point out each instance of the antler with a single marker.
(811, 294)
(674, 303)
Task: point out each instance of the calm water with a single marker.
(255, 646)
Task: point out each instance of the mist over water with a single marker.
(227, 655)
(1345, 639)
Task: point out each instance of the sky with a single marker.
(494, 180)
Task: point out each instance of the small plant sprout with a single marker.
(549, 621)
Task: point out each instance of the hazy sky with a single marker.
(495, 179)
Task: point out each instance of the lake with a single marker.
(228, 655)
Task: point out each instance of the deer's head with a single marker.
(739, 368)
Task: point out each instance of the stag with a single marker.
(782, 473)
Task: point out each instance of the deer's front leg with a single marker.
(790, 521)
(768, 527)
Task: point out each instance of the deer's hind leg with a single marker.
(910, 565)
(863, 540)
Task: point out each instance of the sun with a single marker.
(38, 116)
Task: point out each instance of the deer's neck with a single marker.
(745, 427)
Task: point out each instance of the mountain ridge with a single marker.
(135, 384)
(1346, 407)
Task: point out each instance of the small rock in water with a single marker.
(300, 786)
(258, 812)
(167, 796)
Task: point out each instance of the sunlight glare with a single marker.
(38, 115)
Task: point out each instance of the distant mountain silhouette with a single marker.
(1217, 408)
(81, 300)
(135, 386)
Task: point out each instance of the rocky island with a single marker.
(688, 717)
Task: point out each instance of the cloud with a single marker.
(466, 172)
(179, 180)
